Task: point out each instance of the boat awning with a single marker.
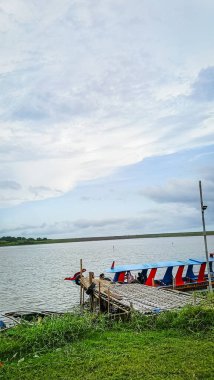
(201, 261)
(159, 264)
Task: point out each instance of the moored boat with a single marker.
(190, 274)
(181, 274)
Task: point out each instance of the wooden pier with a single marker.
(122, 298)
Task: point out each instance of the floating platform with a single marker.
(122, 298)
(14, 318)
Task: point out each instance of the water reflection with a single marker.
(32, 277)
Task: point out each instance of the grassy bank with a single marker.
(31, 241)
(172, 345)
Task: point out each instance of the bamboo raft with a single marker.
(123, 298)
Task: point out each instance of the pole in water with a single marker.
(81, 292)
(203, 208)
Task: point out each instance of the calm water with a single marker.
(32, 277)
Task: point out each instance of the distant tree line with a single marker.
(12, 238)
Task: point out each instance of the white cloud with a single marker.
(90, 88)
(169, 90)
(151, 220)
(183, 196)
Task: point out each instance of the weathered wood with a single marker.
(81, 288)
(145, 299)
(91, 274)
(194, 298)
(83, 296)
(173, 282)
(108, 301)
(99, 297)
(113, 295)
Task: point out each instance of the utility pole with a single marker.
(203, 208)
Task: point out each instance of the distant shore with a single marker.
(30, 241)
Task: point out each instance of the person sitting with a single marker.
(77, 276)
(142, 277)
(130, 277)
(102, 277)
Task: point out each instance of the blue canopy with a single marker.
(201, 261)
(159, 264)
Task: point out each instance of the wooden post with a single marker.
(194, 298)
(90, 277)
(83, 296)
(108, 301)
(80, 282)
(99, 298)
(91, 302)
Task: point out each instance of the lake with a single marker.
(32, 277)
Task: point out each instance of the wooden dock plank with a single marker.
(144, 299)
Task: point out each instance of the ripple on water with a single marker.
(32, 277)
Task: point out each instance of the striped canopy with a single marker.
(158, 264)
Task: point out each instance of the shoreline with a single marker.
(101, 238)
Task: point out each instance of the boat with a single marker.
(183, 275)
(187, 274)
(13, 318)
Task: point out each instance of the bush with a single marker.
(51, 333)
(198, 319)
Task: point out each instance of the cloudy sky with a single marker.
(106, 116)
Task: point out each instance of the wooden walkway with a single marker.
(144, 299)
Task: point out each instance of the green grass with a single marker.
(172, 345)
(117, 355)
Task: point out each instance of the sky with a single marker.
(106, 116)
